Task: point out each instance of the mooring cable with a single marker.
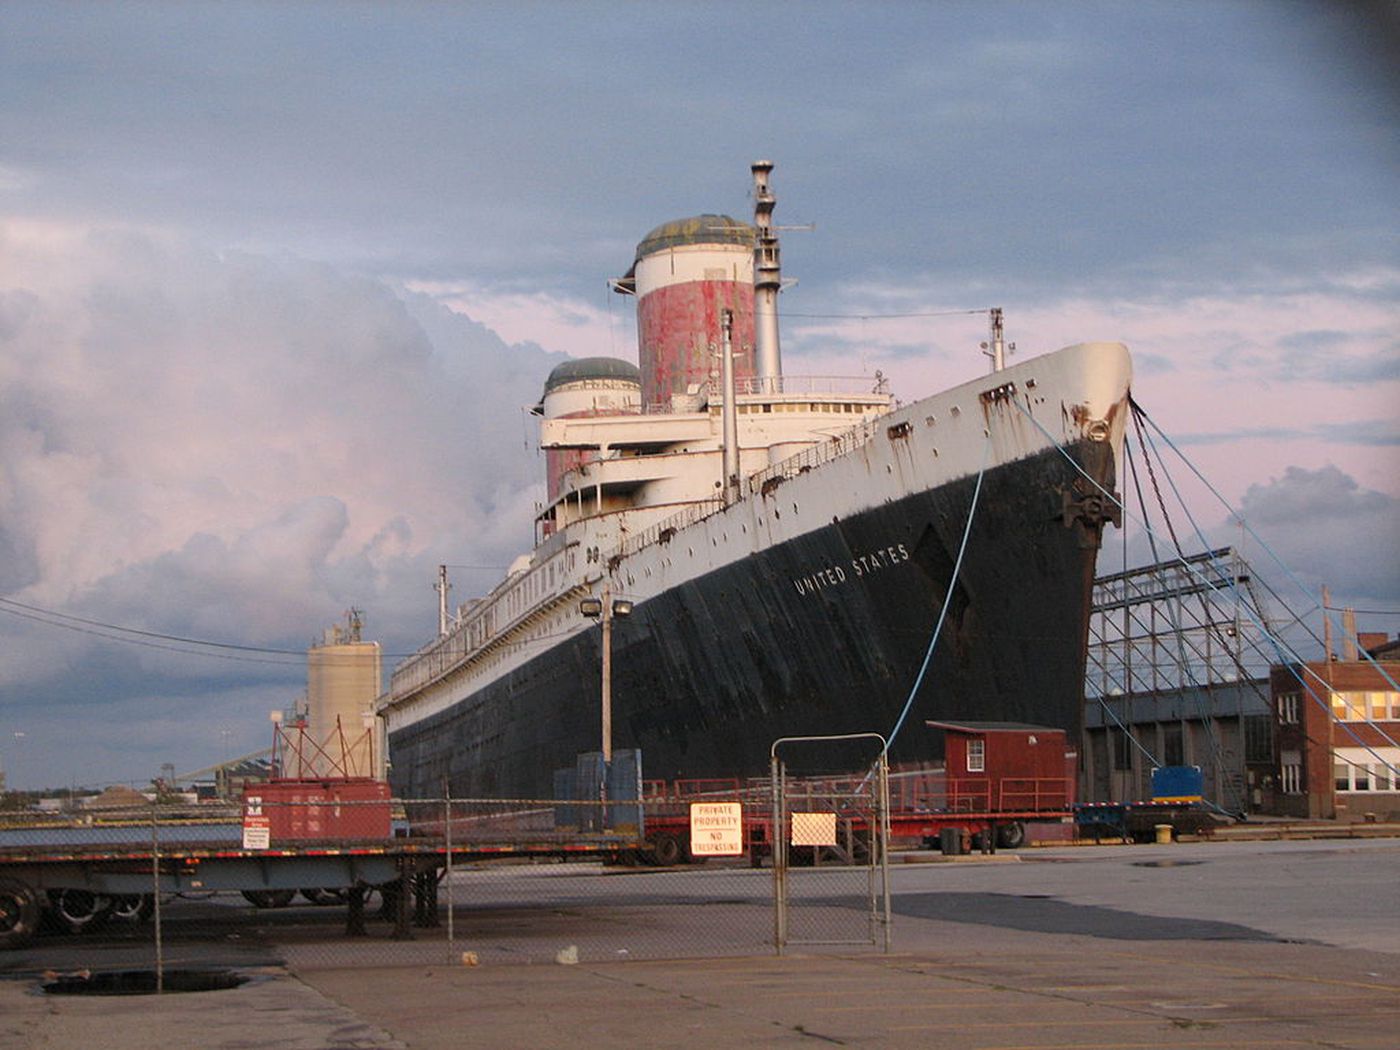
(1367, 657)
(947, 596)
(1277, 643)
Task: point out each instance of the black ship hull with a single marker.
(823, 634)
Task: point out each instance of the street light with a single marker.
(604, 609)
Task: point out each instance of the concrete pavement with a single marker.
(1209, 946)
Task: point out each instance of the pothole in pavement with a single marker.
(1166, 863)
(141, 982)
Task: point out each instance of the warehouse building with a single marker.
(1338, 738)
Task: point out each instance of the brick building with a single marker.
(1338, 726)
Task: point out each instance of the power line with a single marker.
(881, 317)
(145, 634)
(76, 627)
(168, 642)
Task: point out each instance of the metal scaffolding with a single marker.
(1188, 622)
(1177, 672)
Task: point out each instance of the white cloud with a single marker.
(1328, 531)
(556, 322)
(238, 448)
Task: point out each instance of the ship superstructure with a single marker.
(784, 545)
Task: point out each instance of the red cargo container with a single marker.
(324, 808)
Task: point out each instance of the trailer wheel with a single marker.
(666, 849)
(133, 907)
(1011, 836)
(269, 898)
(80, 911)
(19, 914)
(325, 896)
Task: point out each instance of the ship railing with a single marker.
(878, 385)
(706, 394)
(472, 635)
(760, 482)
(824, 451)
(666, 527)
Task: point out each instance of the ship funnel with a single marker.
(767, 278)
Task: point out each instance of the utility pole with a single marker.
(604, 609)
(607, 677)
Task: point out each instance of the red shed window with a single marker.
(976, 755)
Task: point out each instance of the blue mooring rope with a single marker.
(947, 598)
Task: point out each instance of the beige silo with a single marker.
(342, 682)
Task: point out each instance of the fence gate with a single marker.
(830, 835)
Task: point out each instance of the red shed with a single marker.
(1008, 766)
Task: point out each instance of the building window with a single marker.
(1360, 706)
(1173, 749)
(1292, 778)
(976, 756)
(1288, 708)
(1122, 750)
(1258, 738)
(1341, 776)
(1361, 778)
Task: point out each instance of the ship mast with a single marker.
(998, 348)
(731, 412)
(442, 588)
(767, 280)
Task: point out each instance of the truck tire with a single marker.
(80, 911)
(19, 914)
(133, 908)
(667, 850)
(269, 898)
(1011, 836)
(326, 896)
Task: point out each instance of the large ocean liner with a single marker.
(769, 554)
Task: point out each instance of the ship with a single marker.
(728, 555)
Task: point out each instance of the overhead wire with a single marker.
(1283, 654)
(1257, 538)
(882, 317)
(157, 640)
(947, 599)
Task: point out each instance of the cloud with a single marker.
(1327, 530)
(234, 447)
(1314, 497)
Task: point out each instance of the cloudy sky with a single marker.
(277, 280)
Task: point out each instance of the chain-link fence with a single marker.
(831, 865)
(324, 874)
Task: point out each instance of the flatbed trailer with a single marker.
(1139, 821)
(79, 883)
(927, 809)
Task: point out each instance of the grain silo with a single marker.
(342, 682)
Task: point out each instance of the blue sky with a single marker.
(276, 279)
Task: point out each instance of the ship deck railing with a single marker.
(668, 526)
(763, 481)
